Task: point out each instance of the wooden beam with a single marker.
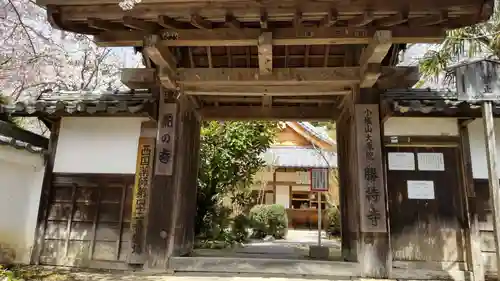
(259, 91)
(138, 24)
(257, 99)
(159, 54)
(278, 77)
(265, 49)
(288, 113)
(199, 22)
(163, 59)
(372, 56)
(281, 36)
(138, 78)
(398, 78)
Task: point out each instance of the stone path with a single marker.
(294, 246)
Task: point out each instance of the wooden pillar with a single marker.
(374, 250)
(45, 195)
(474, 238)
(181, 235)
(161, 200)
(141, 192)
(363, 186)
(494, 185)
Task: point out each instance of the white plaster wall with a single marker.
(283, 195)
(478, 148)
(98, 145)
(424, 126)
(21, 176)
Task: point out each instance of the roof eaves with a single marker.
(315, 132)
(110, 102)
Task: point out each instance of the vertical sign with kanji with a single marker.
(165, 143)
(143, 175)
(319, 179)
(371, 188)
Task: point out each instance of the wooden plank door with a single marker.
(88, 220)
(429, 230)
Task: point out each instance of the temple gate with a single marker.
(267, 60)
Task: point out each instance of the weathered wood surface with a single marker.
(280, 36)
(142, 192)
(46, 193)
(87, 221)
(80, 16)
(181, 236)
(473, 236)
(493, 179)
(485, 218)
(427, 230)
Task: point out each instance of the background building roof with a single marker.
(299, 157)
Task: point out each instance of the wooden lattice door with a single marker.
(87, 222)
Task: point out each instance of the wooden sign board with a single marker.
(478, 80)
(143, 176)
(371, 186)
(165, 143)
(319, 179)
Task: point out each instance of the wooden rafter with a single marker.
(429, 20)
(104, 24)
(372, 56)
(199, 22)
(393, 20)
(362, 20)
(139, 24)
(168, 22)
(281, 36)
(232, 22)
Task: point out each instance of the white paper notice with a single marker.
(429, 161)
(401, 161)
(420, 190)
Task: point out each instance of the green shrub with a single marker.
(239, 228)
(333, 219)
(269, 220)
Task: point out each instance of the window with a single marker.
(306, 199)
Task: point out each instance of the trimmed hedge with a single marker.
(333, 217)
(269, 220)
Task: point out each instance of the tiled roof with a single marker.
(431, 101)
(81, 102)
(17, 144)
(317, 132)
(298, 156)
(18, 138)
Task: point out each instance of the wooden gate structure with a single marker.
(268, 59)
